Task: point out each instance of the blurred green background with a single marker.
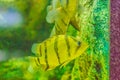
(21, 24)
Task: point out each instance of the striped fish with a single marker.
(56, 51)
(62, 13)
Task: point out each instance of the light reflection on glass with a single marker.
(10, 18)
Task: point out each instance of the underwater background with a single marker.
(23, 23)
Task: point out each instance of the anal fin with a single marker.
(64, 63)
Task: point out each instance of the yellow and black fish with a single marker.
(62, 13)
(56, 51)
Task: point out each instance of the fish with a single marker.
(56, 51)
(62, 13)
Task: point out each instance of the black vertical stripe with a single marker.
(56, 48)
(75, 40)
(68, 45)
(40, 51)
(46, 57)
(65, 11)
(63, 22)
(67, 3)
(36, 62)
(58, 29)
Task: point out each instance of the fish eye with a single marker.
(79, 43)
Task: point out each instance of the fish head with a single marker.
(81, 48)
